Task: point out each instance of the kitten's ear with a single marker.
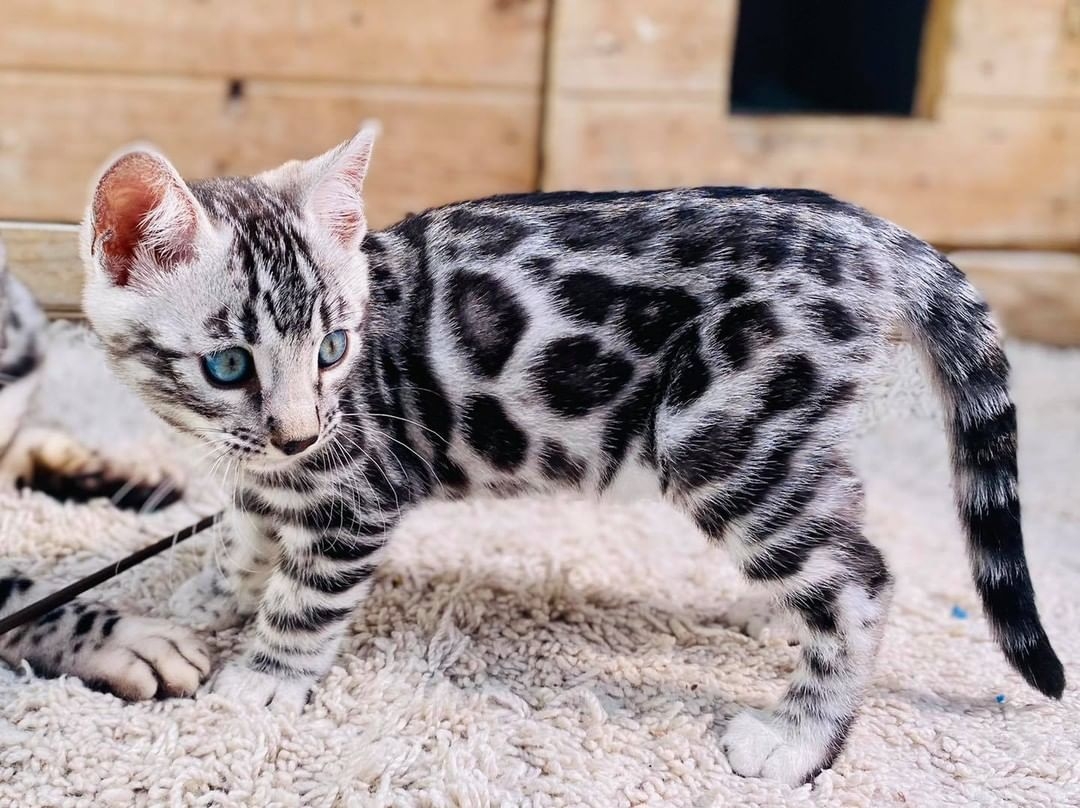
(334, 188)
(143, 218)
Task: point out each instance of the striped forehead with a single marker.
(271, 261)
(278, 294)
(280, 291)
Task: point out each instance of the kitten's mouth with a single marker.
(256, 457)
(265, 463)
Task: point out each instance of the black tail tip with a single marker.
(1040, 667)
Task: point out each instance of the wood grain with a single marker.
(934, 56)
(492, 43)
(974, 176)
(436, 145)
(1002, 49)
(994, 49)
(643, 46)
(1034, 294)
(46, 259)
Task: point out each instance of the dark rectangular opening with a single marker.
(849, 57)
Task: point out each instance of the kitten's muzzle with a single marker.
(293, 446)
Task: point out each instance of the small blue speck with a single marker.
(1000, 698)
(959, 612)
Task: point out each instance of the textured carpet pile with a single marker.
(536, 653)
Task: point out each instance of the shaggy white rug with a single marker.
(558, 653)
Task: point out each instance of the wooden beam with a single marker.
(491, 43)
(973, 176)
(1035, 295)
(436, 145)
(937, 39)
(643, 46)
(991, 49)
(46, 258)
(638, 97)
(1003, 49)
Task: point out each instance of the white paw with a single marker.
(144, 658)
(759, 617)
(256, 690)
(204, 601)
(759, 745)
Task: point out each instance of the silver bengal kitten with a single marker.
(134, 657)
(712, 339)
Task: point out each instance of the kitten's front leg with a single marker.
(320, 579)
(229, 587)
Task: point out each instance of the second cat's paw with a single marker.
(144, 658)
(204, 601)
(254, 689)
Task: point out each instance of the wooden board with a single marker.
(638, 98)
(643, 46)
(975, 176)
(492, 43)
(992, 48)
(46, 259)
(1035, 295)
(436, 145)
(1015, 50)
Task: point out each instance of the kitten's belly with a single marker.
(633, 483)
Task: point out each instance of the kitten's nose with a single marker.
(291, 447)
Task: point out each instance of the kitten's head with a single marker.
(233, 306)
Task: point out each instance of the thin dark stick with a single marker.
(40, 608)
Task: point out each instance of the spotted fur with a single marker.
(46, 459)
(713, 341)
(129, 656)
(133, 657)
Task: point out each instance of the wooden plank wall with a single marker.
(236, 86)
(639, 97)
(599, 93)
(1034, 293)
(46, 257)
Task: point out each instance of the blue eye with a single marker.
(333, 348)
(230, 367)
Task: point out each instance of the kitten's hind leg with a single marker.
(838, 596)
(791, 515)
(55, 463)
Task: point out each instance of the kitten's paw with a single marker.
(759, 617)
(255, 689)
(144, 658)
(759, 745)
(205, 602)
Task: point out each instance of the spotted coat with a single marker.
(712, 342)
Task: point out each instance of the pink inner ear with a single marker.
(338, 199)
(131, 190)
(349, 227)
(340, 208)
